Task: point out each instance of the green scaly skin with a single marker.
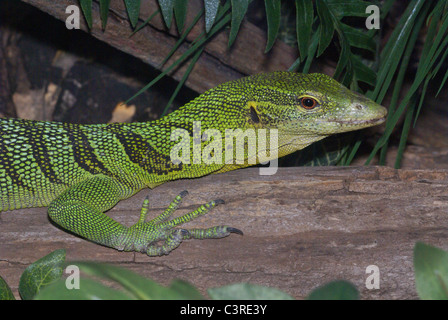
(81, 171)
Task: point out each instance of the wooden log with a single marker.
(152, 44)
(303, 227)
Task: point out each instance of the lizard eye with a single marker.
(308, 103)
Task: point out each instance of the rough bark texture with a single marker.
(302, 227)
(152, 44)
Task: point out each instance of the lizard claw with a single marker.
(183, 194)
(185, 234)
(235, 230)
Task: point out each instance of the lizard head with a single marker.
(303, 108)
(313, 103)
(307, 107)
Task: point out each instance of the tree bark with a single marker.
(303, 227)
(152, 44)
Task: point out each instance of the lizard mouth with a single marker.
(359, 122)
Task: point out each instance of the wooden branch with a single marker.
(218, 64)
(302, 227)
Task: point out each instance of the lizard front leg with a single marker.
(166, 232)
(80, 209)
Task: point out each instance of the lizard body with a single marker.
(81, 171)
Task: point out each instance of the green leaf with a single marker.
(41, 273)
(183, 37)
(399, 83)
(336, 290)
(186, 289)
(295, 65)
(104, 12)
(221, 23)
(327, 152)
(246, 291)
(133, 9)
(166, 6)
(435, 21)
(136, 285)
(350, 69)
(344, 63)
(424, 64)
(327, 26)
(145, 22)
(88, 290)
(405, 132)
(358, 38)
(362, 72)
(344, 8)
(385, 7)
(182, 81)
(5, 291)
(431, 272)
(432, 50)
(304, 23)
(312, 49)
(211, 9)
(442, 84)
(239, 9)
(394, 49)
(86, 7)
(273, 15)
(180, 12)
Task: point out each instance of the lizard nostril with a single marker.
(359, 106)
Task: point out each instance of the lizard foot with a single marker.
(159, 236)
